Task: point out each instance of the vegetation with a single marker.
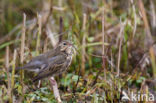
(115, 41)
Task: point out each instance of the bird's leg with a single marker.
(55, 89)
(53, 82)
(39, 84)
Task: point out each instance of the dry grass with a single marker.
(113, 53)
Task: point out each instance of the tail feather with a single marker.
(18, 68)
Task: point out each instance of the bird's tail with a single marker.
(17, 68)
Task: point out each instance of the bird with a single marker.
(51, 63)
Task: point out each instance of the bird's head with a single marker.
(67, 47)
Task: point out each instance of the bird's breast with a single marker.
(69, 59)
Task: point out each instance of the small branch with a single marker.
(55, 89)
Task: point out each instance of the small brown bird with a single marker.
(51, 63)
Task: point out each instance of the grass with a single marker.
(113, 53)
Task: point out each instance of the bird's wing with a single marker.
(36, 63)
(55, 63)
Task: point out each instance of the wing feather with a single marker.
(55, 64)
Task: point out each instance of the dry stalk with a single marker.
(83, 44)
(103, 44)
(45, 45)
(47, 15)
(7, 71)
(121, 34)
(153, 16)
(148, 39)
(153, 61)
(39, 17)
(13, 72)
(22, 52)
(135, 17)
(23, 40)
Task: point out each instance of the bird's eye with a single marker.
(64, 44)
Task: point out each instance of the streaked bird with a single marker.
(51, 63)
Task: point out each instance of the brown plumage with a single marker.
(51, 63)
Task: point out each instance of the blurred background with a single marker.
(115, 41)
